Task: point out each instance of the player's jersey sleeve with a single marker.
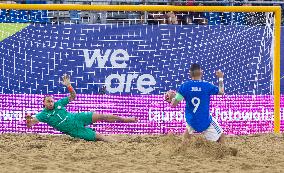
(178, 97)
(63, 102)
(213, 90)
(42, 117)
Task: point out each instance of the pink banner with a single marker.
(237, 114)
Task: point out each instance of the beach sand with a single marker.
(145, 153)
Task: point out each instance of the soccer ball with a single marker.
(169, 96)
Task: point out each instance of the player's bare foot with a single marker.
(131, 120)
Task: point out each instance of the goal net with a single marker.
(122, 59)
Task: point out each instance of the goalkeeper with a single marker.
(197, 96)
(55, 115)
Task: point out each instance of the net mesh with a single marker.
(139, 56)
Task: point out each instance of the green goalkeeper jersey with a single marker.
(58, 118)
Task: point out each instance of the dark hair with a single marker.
(194, 67)
(45, 98)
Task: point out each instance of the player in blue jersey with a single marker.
(197, 96)
(73, 124)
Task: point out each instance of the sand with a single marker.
(160, 153)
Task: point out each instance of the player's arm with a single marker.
(220, 76)
(173, 98)
(67, 83)
(30, 121)
(176, 100)
(221, 86)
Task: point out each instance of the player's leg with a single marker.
(85, 133)
(112, 118)
(221, 139)
(187, 135)
(89, 134)
(214, 132)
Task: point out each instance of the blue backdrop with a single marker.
(134, 59)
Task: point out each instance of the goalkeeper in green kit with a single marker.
(73, 124)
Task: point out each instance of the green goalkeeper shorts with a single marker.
(80, 131)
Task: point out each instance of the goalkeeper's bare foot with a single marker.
(130, 120)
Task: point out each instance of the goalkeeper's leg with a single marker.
(112, 118)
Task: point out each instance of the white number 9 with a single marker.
(195, 104)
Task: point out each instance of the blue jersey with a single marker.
(197, 96)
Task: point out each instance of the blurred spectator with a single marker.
(194, 17)
(282, 7)
(189, 3)
(36, 1)
(155, 18)
(171, 18)
(161, 17)
(149, 18)
(101, 15)
(134, 17)
(7, 2)
(5, 14)
(38, 16)
(254, 18)
(103, 90)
